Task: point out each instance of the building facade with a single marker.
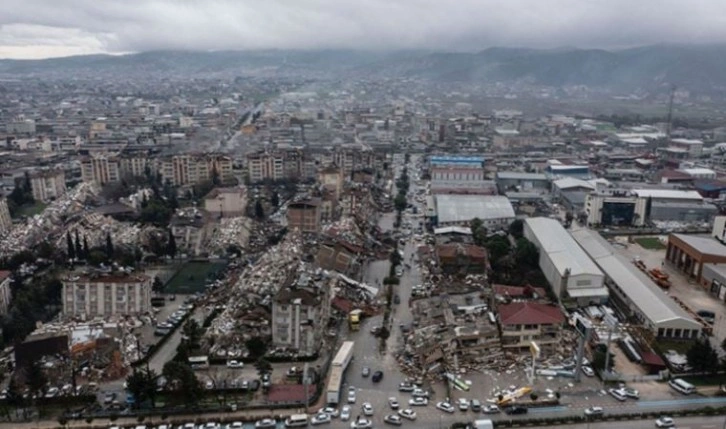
(300, 314)
(304, 215)
(6, 223)
(192, 169)
(48, 185)
(6, 295)
(106, 295)
(525, 322)
(227, 202)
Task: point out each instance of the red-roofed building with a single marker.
(5, 295)
(457, 258)
(520, 292)
(524, 322)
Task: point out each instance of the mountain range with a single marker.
(695, 68)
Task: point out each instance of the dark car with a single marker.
(377, 376)
(515, 410)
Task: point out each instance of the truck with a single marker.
(483, 424)
(339, 365)
(354, 319)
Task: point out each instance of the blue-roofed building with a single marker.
(456, 161)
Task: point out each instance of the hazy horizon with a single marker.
(34, 29)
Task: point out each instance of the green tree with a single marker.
(71, 248)
(275, 200)
(35, 378)
(259, 210)
(192, 333)
(478, 231)
(263, 366)
(181, 378)
(158, 285)
(86, 253)
(109, 246)
(516, 228)
(400, 203)
(256, 346)
(498, 247)
(526, 253)
(702, 357)
(215, 176)
(79, 247)
(171, 245)
(141, 383)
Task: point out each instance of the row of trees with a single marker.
(400, 202)
(22, 194)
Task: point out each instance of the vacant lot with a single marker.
(192, 277)
(650, 243)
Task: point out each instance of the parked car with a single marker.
(365, 372)
(367, 409)
(320, 418)
(377, 376)
(259, 424)
(393, 419)
(405, 386)
(588, 371)
(418, 402)
(618, 394)
(490, 409)
(408, 414)
(345, 413)
(594, 411)
(475, 405)
(463, 404)
(351, 395)
(331, 411)
(665, 422)
(631, 393)
(235, 364)
(361, 423)
(445, 406)
(420, 393)
(393, 403)
(513, 410)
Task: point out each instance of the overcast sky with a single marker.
(48, 28)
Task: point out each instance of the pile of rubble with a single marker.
(253, 292)
(94, 227)
(48, 224)
(230, 231)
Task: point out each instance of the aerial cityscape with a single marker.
(306, 228)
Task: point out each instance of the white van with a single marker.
(296, 421)
(682, 386)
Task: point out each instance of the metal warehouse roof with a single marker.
(672, 194)
(516, 175)
(463, 208)
(705, 245)
(561, 248)
(653, 303)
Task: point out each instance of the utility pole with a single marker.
(305, 386)
(606, 371)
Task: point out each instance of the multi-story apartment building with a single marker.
(192, 169)
(5, 221)
(47, 185)
(136, 166)
(300, 312)
(263, 166)
(304, 215)
(525, 322)
(105, 295)
(6, 295)
(100, 169)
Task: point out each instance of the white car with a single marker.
(490, 409)
(332, 412)
(588, 371)
(351, 395)
(361, 423)
(345, 413)
(594, 411)
(52, 392)
(393, 419)
(631, 393)
(408, 414)
(445, 406)
(320, 418)
(618, 394)
(367, 409)
(209, 425)
(463, 404)
(393, 403)
(235, 364)
(665, 422)
(420, 393)
(418, 402)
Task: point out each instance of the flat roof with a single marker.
(561, 248)
(463, 208)
(687, 141)
(571, 182)
(652, 302)
(673, 194)
(516, 175)
(705, 245)
(452, 229)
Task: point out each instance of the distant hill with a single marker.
(696, 68)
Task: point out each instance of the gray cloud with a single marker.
(32, 28)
